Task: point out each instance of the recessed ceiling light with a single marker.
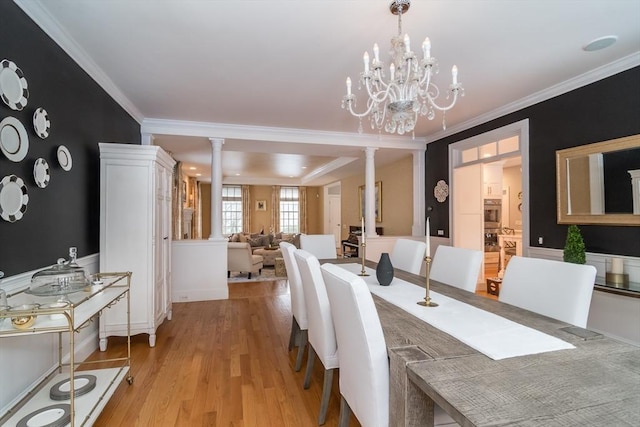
(237, 174)
(198, 174)
(304, 167)
(192, 168)
(600, 43)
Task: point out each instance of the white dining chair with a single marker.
(323, 246)
(457, 267)
(364, 366)
(299, 321)
(408, 255)
(322, 336)
(556, 289)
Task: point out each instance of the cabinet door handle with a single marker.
(164, 238)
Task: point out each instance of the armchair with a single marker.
(240, 258)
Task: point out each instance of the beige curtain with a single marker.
(302, 207)
(275, 208)
(246, 208)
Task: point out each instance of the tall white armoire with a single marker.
(135, 235)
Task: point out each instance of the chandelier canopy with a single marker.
(394, 105)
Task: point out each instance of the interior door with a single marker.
(468, 221)
(335, 210)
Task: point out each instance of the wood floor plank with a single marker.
(219, 364)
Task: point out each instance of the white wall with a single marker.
(27, 360)
(199, 270)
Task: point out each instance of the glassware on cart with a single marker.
(61, 279)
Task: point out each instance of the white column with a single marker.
(370, 192)
(216, 188)
(417, 229)
(146, 139)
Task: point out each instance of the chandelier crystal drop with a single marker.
(394, 104)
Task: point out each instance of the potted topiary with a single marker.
(574, 250)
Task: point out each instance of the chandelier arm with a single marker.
(447, 108)
(369, 109)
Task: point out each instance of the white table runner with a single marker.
(490, 334)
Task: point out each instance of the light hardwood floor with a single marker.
(220, 363)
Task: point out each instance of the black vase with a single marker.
(384, 270)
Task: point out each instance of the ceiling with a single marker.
(268, 76)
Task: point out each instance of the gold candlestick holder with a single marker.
(427, 299)
(363, 252)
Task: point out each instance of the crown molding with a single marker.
(587, 78)
(62, 38)
(271, 134)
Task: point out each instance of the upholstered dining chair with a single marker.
(299, 322)
(457, 267)
(322, 336)
(408, 255)
(323, 246)
(364, 366)
(556, 289)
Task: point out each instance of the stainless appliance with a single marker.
(492, 214)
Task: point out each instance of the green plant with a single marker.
(574, 250)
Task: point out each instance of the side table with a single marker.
(281, 270)
(493, 285)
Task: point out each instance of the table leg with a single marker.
(408, 405)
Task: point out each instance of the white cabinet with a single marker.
(135, 234)
(492, 180)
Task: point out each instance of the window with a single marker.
(231, 209)
(289, 210)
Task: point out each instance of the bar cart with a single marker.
(75, 392)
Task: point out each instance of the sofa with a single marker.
(241, 259)
(260, 241)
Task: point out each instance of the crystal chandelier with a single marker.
(395, 104)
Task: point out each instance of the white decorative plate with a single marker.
(64, 158)
(441, 191)
(14, 141)
(41, 173)
(13, 198)
(13, 85)
(58, 415)
(41, 123)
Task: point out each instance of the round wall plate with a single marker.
(13, 198)
(41, 173)
(13, 85)
(14, 142)
(64, 158)
(41, 123)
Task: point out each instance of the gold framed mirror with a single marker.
(599, 183)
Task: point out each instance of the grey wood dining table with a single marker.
(595, 384)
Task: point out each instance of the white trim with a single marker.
(519, 128)
(273, 134)
(587, 78)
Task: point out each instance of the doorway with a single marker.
(482, 169)
(333, 211)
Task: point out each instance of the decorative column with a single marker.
(370, 192)
(419, 193)
(216, 188)
(146, 139)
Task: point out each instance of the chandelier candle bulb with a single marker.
(376, 52)
(426, 47)
(617, 266)
(392, 71)
(407, 43)
(348, 85)
(366, 62)
(454, 74)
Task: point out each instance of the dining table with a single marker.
(583, 379)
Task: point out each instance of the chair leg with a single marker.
(228, 274)
(301, 346)
(345, 413)
(249, 277)
(311, 357)
(294, 332)
(326, 394)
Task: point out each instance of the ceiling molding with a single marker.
(326, 168)
(54, 30)
(271, 134)
(587, 78)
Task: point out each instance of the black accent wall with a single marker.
(66, 213)
(604, 110)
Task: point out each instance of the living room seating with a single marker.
(269, 255)
(240, 259)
